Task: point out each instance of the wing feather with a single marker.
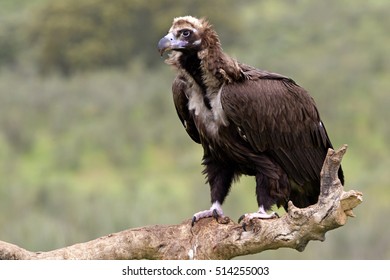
(279, 118)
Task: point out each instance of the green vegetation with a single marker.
(90, 142)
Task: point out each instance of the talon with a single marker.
(193, 221)
(215, 214)
(215, 211)
(241, 218)
(261, 214)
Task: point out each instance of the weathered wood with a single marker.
(209, 239)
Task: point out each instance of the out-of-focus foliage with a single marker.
(8, 44)
(100, 149)
(83, 35)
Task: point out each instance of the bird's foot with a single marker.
(215, 211)
(261, 214)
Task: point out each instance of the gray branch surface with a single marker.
(211, 239)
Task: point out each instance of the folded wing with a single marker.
(278, 117)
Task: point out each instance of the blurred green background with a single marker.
(90, 143)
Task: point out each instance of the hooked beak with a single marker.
(169, 42)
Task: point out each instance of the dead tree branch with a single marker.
(209, 239)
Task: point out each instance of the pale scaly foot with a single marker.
(261, 214)
(214, 211)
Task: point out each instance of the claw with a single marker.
(215, 214)
(193, 221)
(215, 211)
(261, 214)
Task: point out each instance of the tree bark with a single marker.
(210, 239)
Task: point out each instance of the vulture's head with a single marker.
(188, 34)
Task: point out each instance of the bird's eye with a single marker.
(186, 33)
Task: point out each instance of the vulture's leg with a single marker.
(264, 200)
(220, 179)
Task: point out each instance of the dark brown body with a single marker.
(248, 121)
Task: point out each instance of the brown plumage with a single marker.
(249, 121)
